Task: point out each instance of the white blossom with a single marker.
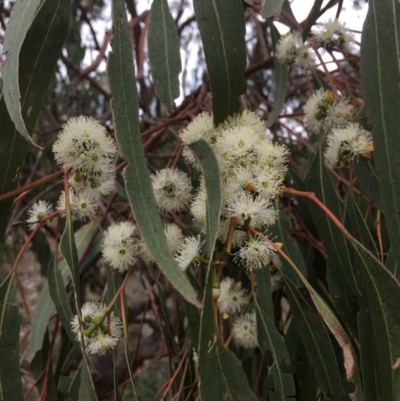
(83, 205)
(332, 33)
(255, 254)
(245, 330)
(37, 212)
(291, 50)
(188, 252)
(232, 297)
(119, 246)
(347, 143)
(172, 189)
(100, 334)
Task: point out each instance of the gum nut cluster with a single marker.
(175, 239)
(252, 169)
(232, 297)
(172, 190)
(37, 212)
(100, 333)
(120, 247)
(324, 111)
(332, 33)
(86, 152)
(344, 144)
(291, 50)
(245, 330)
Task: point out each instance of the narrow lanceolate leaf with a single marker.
(349, 356)
(311, 18)
(382, 297)
(316, 339)
(380, 72)
(221, 375)
(220, 372)
(86, 389)
(125, 110)
(320, 182)
(45, 305)
(37, 59)
(280, 82)
(210, 169)
(10, 378)
(22, 16)
(164, 53)
(270, 340)
(222, 30)
(70, 253)
(60, 298)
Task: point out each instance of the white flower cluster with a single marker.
(347, 143)
(120, 247)
(332, 33)
(100, 333)
(291, 50)
(252, 169)
(324, 111)
(86, 152)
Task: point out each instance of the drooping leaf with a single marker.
(164, 53)
(221, 376)
(10, 376)
(270, 340)
(210, 169)
(319, 182)
(222, 30)
(86, 388)
(125, 107)
(368, 180)
(69, 251)
(60, 298)
(39, 56)
(316, 339)
(280, 81)
(382, 297)
(22, 17)
(311, 18)
(45, 305)
(380, 72)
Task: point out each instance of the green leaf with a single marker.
(264, 294)
(368, 180)
(86, 388)
(222, 30)
(271, 8)
(382, 293)
(270, 340)
(70, 253)
(209, 166)
(380, 72)
(10, 377)
(311, 18)
(125, 110)
(280, 82)
(22, 17)
(39, 56)
(60, 298)
(316, 339)
(45, 305)
(164, 53)
(350, 361)
(319, 182)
